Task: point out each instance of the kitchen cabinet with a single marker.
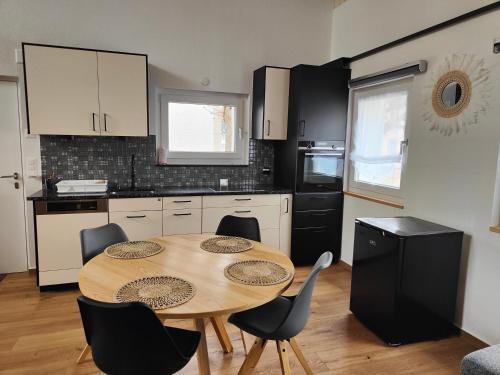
(122, 94)
(270, 103)
(58, 226)
(182, 215)
(318, 102)
(271, 210)
(71, 91)
(140, 218)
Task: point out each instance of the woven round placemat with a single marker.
(159, 292)
(133, 249)
(256, 272)
(226, 244)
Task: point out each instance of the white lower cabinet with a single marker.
(138, 225)
(58, 245)
(187, 221)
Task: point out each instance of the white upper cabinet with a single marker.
(62, 91)
(123, 94)
(270, 103)
(84, 92)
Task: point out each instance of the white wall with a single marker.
(361, 25)
(450, 180)
(186, 40)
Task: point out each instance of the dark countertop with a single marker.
(44, 195)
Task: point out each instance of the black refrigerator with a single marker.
(404, 278)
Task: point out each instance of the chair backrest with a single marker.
(246, 227)
(299, 313)
(128, 338)
(95, 240)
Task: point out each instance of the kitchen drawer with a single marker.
(181, 221)
(317, 201)
(135, 204)
(139, 225)
(241, 200)
(308, 244)
(177, 203)
(316, 218)
(268, 216)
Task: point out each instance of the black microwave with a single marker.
(320, 166)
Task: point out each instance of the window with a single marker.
(378, 139)
(202, 128)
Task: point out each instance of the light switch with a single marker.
(33, 167)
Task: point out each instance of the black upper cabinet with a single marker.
(319, 97)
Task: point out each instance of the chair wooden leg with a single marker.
(283, 354)
(300, 356)
(221, 332)
(83, 354)
(253, 356)
(243, 341)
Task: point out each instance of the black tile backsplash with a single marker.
(74, 157)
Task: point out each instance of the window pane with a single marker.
(379, 128)
(201, 127)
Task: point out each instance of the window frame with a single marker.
(241, 137)
(376, 191)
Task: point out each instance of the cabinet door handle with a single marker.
(186, 214)
(182, 201)
(268, 127)
(319, 214)
(242, 212)
(136, 216)
(302, 127)
(105, 122)
(242, 199)
(319, 231)
(287, 200)
(93, 121)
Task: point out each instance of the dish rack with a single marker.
(82, 186)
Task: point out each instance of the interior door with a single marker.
(276, 103)
(62, 90)
(13, 256)
(123, 94)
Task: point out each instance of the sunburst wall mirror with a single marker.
(460, 89)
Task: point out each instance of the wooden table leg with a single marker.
(221, 332)
(202, 352)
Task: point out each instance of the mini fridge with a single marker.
(404, 278)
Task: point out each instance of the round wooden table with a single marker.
(215, 294)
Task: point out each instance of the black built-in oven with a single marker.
(320, 166)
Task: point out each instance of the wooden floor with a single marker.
(41, 333)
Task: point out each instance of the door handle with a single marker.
(136, 216)
(186, 214)
(14, 175)
(242, 212)
(302, 127)
(105, 122)
(287, 200)
(93, 120)
(268, 127)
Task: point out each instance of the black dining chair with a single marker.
(129, 339)
(280, 320)
(245, 227)
(95, 240)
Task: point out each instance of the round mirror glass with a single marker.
(451, 94)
